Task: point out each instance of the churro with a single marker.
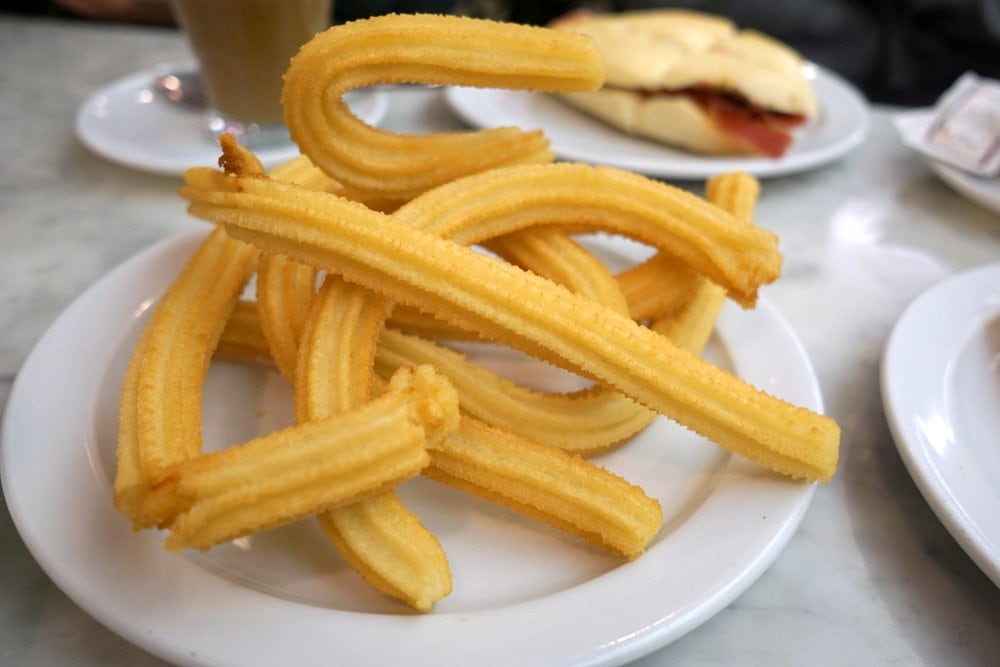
(285, 292)
(547, 484)
(427, 49)
(584, 422)
(577, 197)
(378, 536)
(531, 313)
(160, 414)
(691, 324)
(291, 474)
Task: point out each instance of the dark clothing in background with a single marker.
(904, 52)
(896, 51)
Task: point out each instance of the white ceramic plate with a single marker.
(941, 390)
(979, 189)
(129, 123)
(841, 126)
(523, 593)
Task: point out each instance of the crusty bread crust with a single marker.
(668, 49)
(652, 55)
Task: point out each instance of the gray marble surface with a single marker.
(870, 577)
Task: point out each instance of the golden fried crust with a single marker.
(579, 197)
(526, 311)
(691, 324)
(384, 542)
(160, 411)
(583, 422)
(305, 469)
(285, 292)
(657, 287)
(548, 484)
(378, 536)
(424, 49)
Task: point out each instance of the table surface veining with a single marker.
(870, 577)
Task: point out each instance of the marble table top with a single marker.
(870, 577)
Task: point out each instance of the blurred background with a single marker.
(901, 52)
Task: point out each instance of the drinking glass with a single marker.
(243, 48)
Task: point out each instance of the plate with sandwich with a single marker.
(687, 95)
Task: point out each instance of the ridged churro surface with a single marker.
(428, 49)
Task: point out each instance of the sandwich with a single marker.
(693, 81)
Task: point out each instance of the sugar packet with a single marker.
(962, 130)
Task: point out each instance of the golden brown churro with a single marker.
(528, 312)
(578, 197)
(160, 412)
(285, 292)
(690, 325)
(433, 50)
(370, 227)
(295, 473)
(378, 536)
(584, 422)
(547, 484)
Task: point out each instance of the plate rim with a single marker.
(974, 188)
(104, 604)
(676, 164)
(948, 501)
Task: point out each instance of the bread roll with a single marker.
(694, 81)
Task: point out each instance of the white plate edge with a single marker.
(705, 166)
(925, 473)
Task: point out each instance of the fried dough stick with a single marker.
(528, 312)
(582, 198)
(474, 208)
(291, 474)
(378, 536)
(588, 421)
(532, 478)
(556, 488)
(692, 323)
(243, 338)
(547, 484)
(428, 49)
(160, 409)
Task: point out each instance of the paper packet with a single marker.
(963, 129)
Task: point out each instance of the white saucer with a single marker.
(523, 593)
(128, 122)
(841, 126)
(941, 391)
(979, 189)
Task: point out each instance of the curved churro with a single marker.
(584, 422)
(528, 312)
(160, 414)
(285, 290)
(657, 287)
(378, 536)
(427, 49)
(578, 197)
(692, 324)
(294, 473)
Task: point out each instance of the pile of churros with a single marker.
(367, 254)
